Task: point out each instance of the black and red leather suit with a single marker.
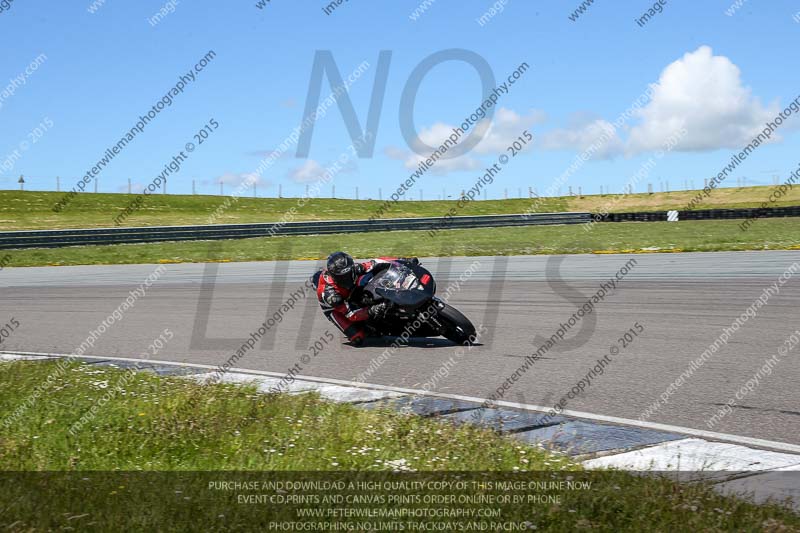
(338, 302)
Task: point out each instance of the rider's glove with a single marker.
(413, 260)
(332, 298)
(378, 310)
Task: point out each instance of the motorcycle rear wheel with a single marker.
(456, 327)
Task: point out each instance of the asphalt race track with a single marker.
(683, 302)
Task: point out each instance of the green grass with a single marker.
(701, 236)
(175, 424)
(170, 424)
(32, 209)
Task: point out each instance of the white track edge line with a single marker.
(736, 439)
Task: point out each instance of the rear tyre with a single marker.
(456, 327)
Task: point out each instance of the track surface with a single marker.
(682, 300)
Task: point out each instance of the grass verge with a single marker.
(689, 236)
(155, 423)
(158, 423)
(33, 210)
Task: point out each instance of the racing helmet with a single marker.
(342, 269)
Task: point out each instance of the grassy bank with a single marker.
(32, 209)
(155, 423)
(160, 423)
(702, 236)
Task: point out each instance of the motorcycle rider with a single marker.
(338, 293)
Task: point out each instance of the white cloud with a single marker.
(309, 171)
(496, 135)
(393, 152)
(505, 128)
(433, 137)
(235, 180)
(583, 133)
(700, 92)
(428, 139)
(704, 94)
(443, 167)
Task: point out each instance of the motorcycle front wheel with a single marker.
(456, 327)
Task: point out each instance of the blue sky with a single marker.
(720, 76)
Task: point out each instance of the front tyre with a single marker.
(455, 326)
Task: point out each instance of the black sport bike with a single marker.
(414, 310)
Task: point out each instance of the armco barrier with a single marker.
(76, 237)
(704, 214)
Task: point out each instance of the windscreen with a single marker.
(399, 277)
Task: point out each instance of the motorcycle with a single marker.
(414, 307)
